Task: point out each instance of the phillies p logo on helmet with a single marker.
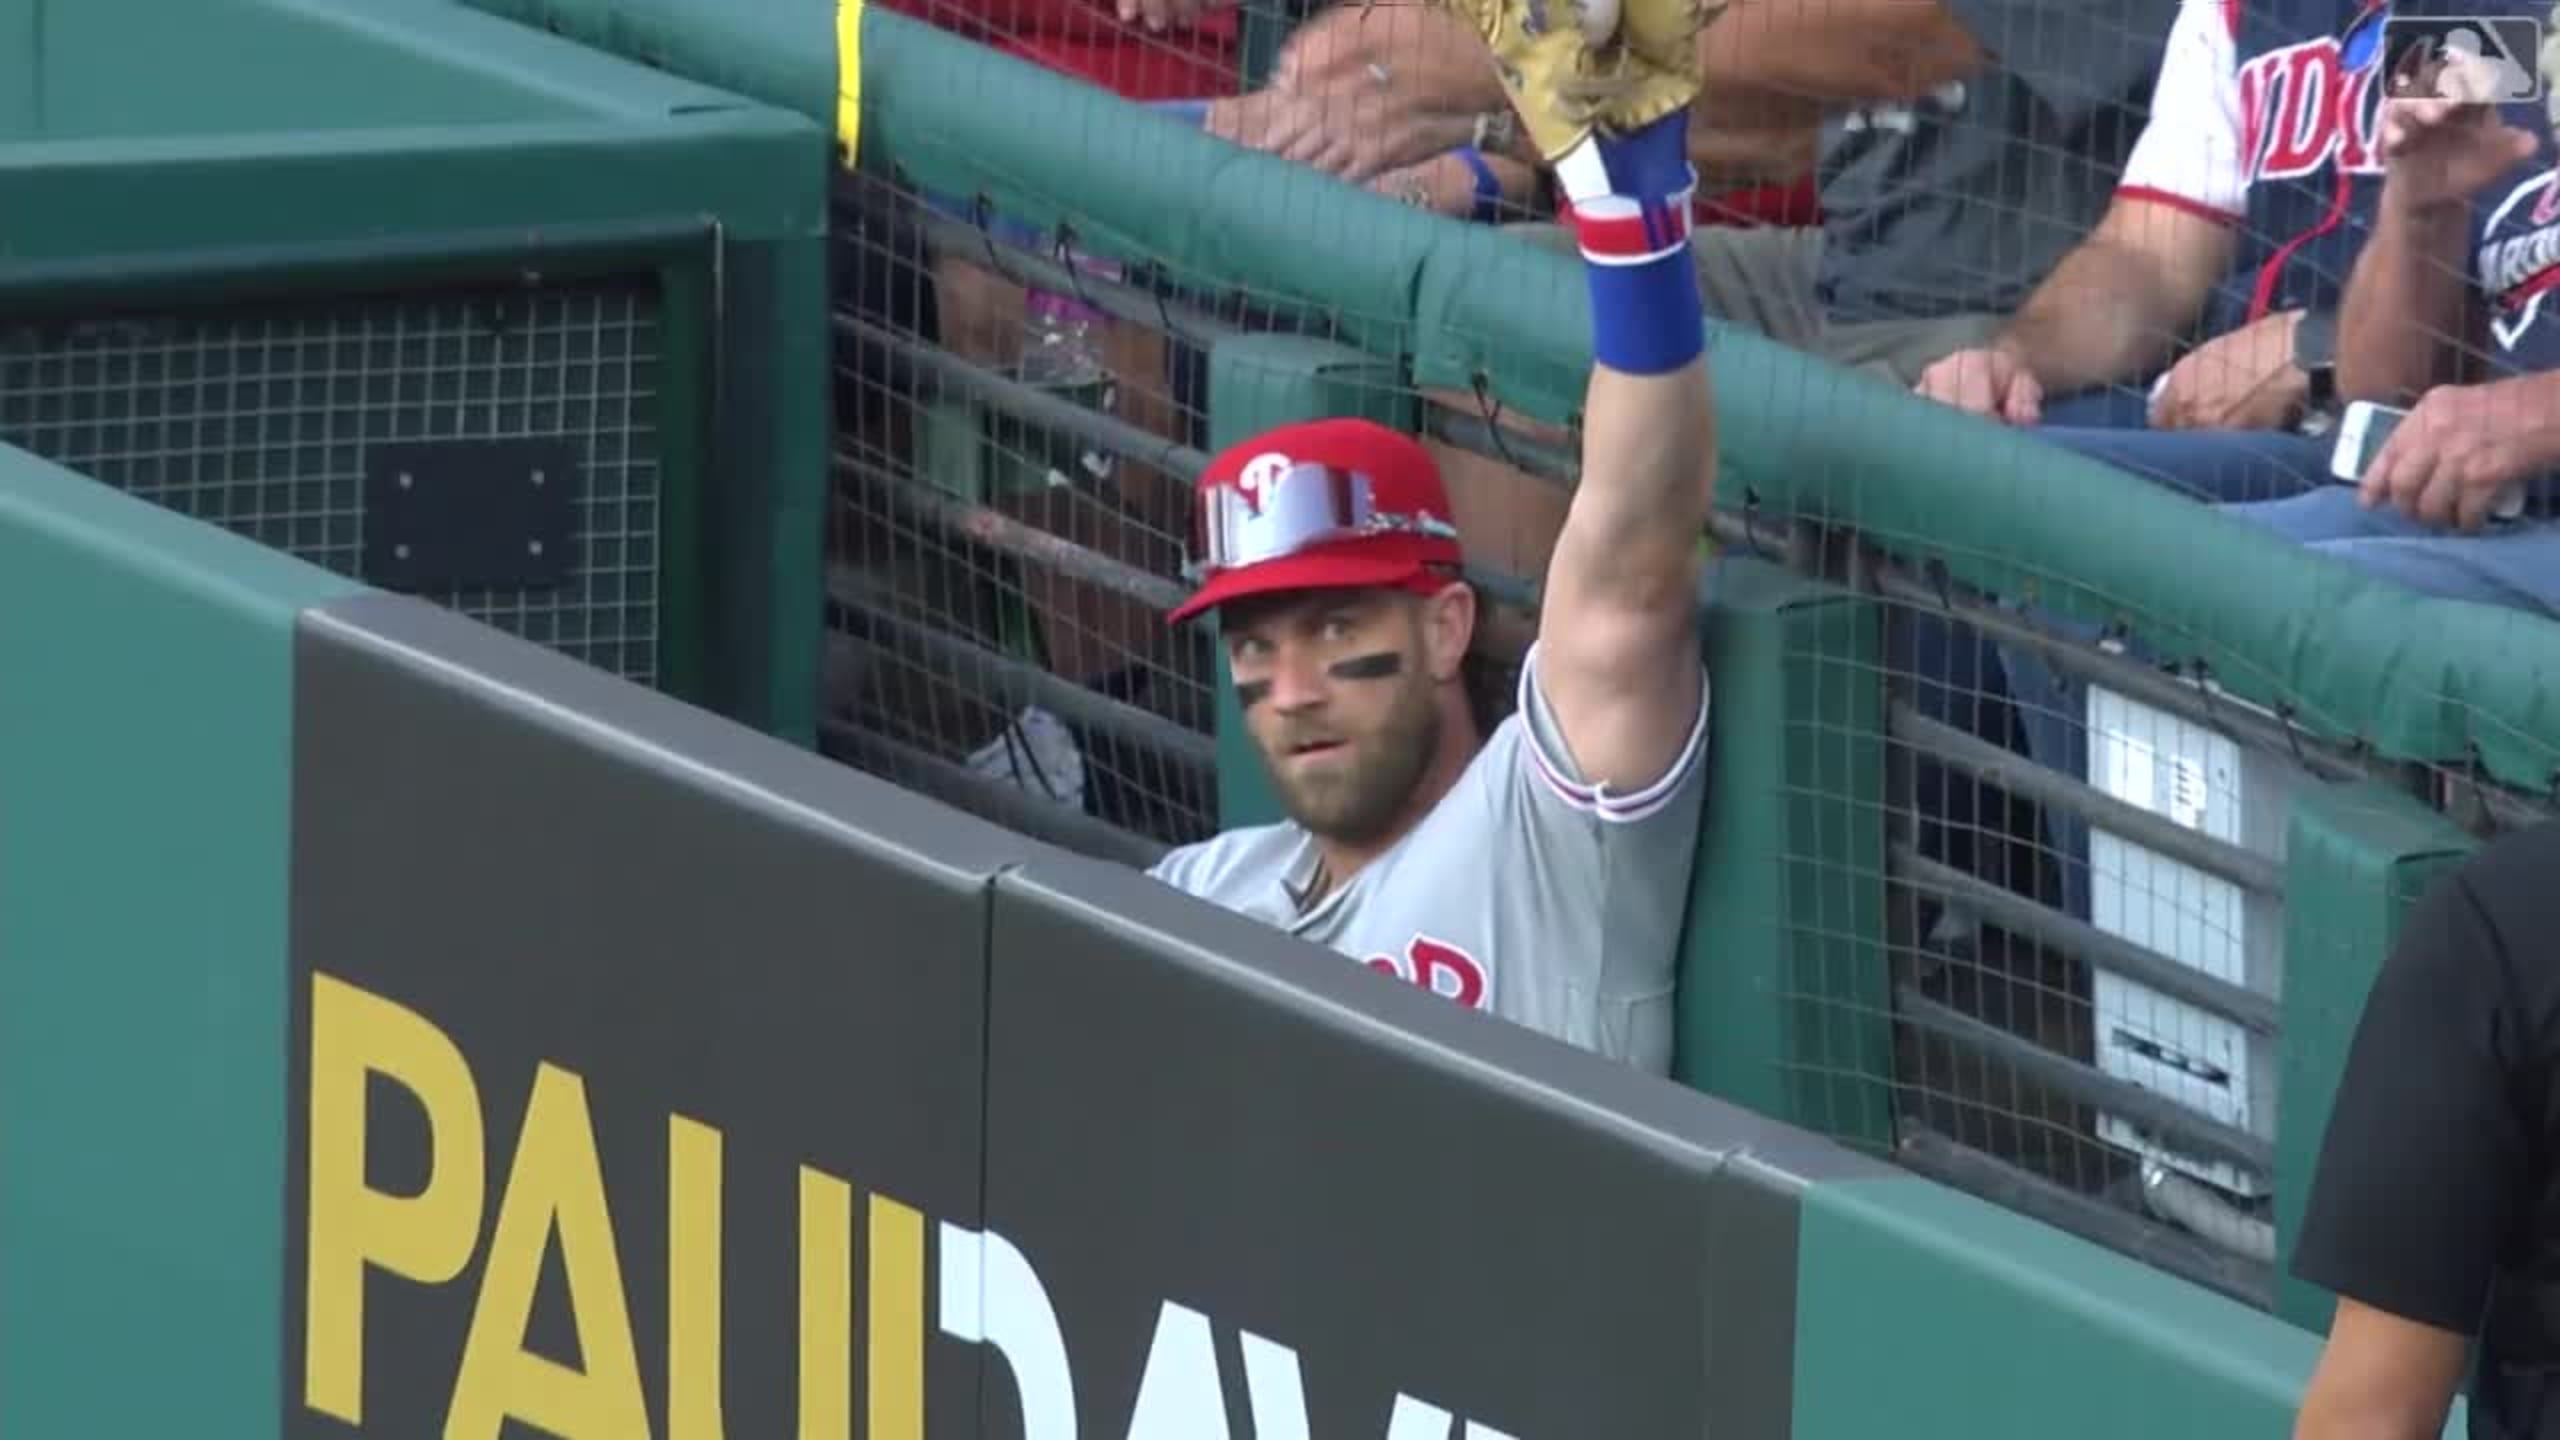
(1261, 473)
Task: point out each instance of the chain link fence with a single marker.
(291, 421)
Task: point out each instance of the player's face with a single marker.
(1339, 692)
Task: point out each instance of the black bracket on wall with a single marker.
(470, 514)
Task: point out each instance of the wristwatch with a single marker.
(2315, 354)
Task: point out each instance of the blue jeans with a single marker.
(2516, 565)
(2111, 407)
(2221, 467)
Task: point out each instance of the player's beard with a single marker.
(1359, 803)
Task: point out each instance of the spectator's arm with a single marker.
(1829, 54)
(2115, 307)
(1752, 137)
(2407, 306)
(1394, 85)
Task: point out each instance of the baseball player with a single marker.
(1538, 872)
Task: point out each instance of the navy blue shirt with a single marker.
(2516, 261)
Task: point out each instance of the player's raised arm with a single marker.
(1617, 658)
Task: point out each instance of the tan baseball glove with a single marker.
(1575, 66)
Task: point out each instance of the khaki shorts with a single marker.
(1763, 277)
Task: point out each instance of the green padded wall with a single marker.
(2356, 858)
(166, 82)
(1256, 382)
(1914, 1299)
(145, 757)
(1784, 991)
(781, 52)
(764, 515)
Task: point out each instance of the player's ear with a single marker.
(1448, 628)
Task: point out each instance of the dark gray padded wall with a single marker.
(1417, 1201)
(550, 865)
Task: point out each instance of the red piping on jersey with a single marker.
(2273, 270)
(2543, 282)
(2231, 16)
(2176, 201)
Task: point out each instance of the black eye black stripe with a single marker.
(1380, 666)
(1367, 667)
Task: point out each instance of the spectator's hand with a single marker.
(1356, 130)
(1445, 185)
(2442, 150)
(2461, 445)
(2243, 380)
(1161, 15)
(1990, 381)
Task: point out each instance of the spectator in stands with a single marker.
(1962, 146)
(2263, 145)
(2448, 309)
(2239, 215)
(2434, 1215)
(2459, 502)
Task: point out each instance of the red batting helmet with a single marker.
(1321, 505)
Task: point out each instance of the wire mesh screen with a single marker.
(1020, 428)
(2047, 751)
(266, 417)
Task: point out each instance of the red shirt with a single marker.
(1088, 39)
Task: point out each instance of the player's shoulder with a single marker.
(1495, 766)
(1199, 867)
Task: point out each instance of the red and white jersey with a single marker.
(2258, 121)
(2267, 116)
(1526, 892)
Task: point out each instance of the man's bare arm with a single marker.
(2115, 307)
(2381, 1378)
(1618, 656)
(1832, 54)
(2407, 305)
(1359, 91)
(1405, 82)
(1741, 136)
(2409, 310)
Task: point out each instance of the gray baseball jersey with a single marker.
(1526, 892)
